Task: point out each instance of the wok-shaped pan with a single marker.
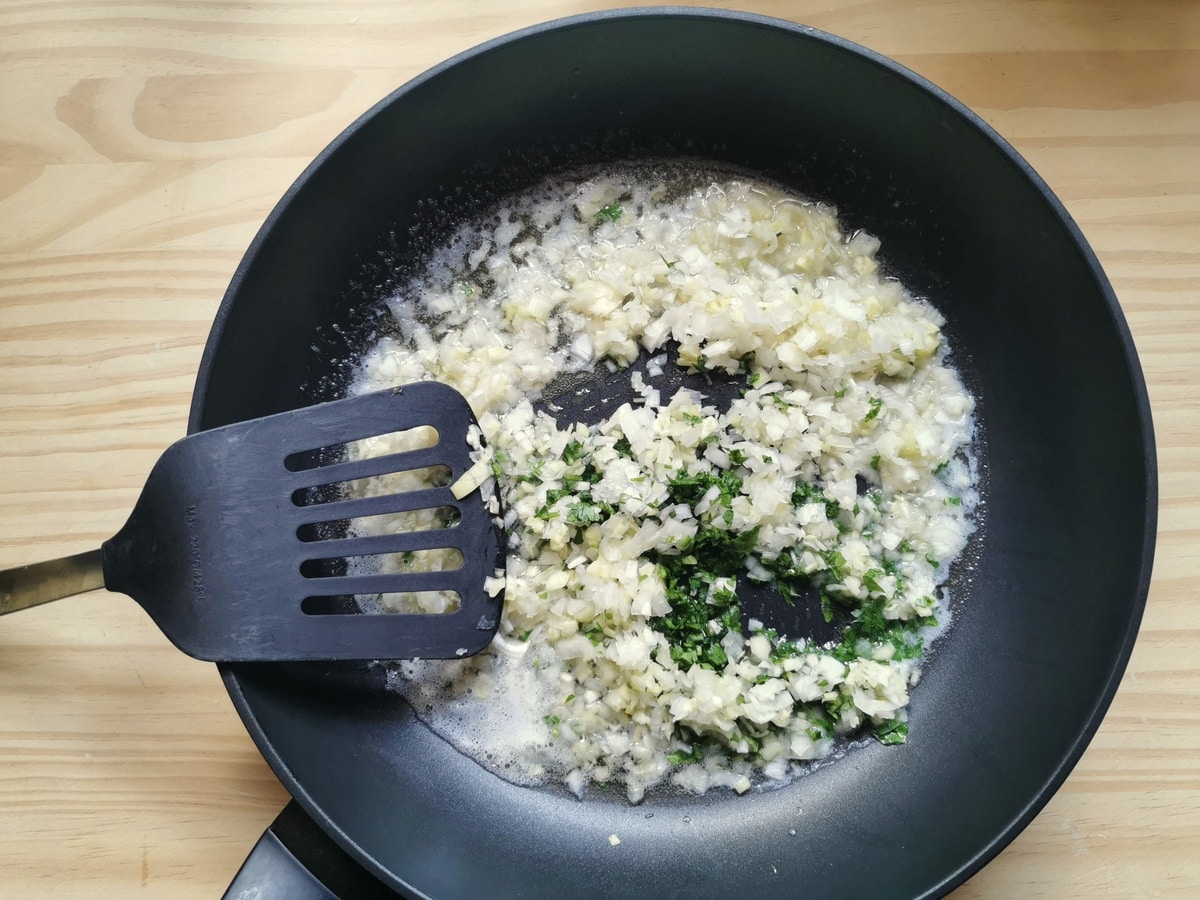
(1055, 580)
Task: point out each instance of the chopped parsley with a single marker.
(804, 493)
(700, 615)
(680, 757)
(891, 732)
(573, 452)
(610, 213)
(690, 489)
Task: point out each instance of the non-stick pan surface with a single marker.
(1054, 584)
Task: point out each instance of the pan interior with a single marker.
(1051, 600)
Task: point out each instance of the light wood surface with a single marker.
(141, 146)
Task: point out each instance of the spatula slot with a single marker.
(375, 466)
(440, 559)
(418, 438)
(438, 517)
(339, 508)
(430, 603)
(391, 483)
(341, 605)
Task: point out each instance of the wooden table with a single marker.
(141, 146)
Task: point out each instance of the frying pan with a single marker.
(1048, 597)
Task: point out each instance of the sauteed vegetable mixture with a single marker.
(841, 471)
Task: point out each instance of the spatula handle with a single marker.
(54, 579)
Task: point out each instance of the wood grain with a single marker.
(141, 146)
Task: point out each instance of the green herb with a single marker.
(753, 744)
(499, 458)
(610, 213)
(870, 617)
(871, 626)
(690, 489)
(694, 601)
(836, 564)
(555, 494)
(876, 406)
(840, 392)
(875, 462)
(871, 580)
(891, 732)
(573, 452)
(679, 757)
(804, 493)
(827, 612)
(533, 476)
(623, 447)
(841, 702)
(585, 513)
(737, 457)
(954, 501)
(786, 650)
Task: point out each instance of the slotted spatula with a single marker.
(224, 547)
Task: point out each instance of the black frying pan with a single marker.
(1054, 584)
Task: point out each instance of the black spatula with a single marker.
(237, 547)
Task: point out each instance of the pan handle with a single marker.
(54, 579)
(296, 860)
